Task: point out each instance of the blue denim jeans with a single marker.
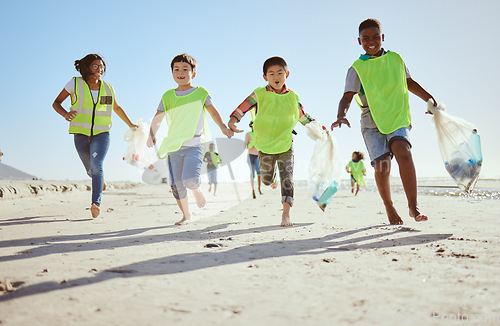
(253, 162)
(92, 151)
(185, 170)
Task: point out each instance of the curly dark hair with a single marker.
(83, 65)
(359, 155)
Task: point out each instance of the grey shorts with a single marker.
(379, 144)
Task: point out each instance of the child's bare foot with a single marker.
(199, 198)
(95, 210)
(419, 217)
(260, 192)
(393, 216)
(274, 185)
(253, 194)
(285, 221)
(184, 221)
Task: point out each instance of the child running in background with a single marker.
(356, 169)
(253, 159)
(381, 82)
(213, 160)
(184, 108)
(277, 111)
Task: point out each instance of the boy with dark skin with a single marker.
(383, 145)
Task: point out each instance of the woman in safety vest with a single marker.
(92, 101)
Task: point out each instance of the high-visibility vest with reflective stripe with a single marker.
(91, 119)
(384, 82)
(277, 115)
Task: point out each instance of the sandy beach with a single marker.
(234, 264)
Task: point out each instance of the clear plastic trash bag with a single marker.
(325, 167)
(138, 153)
(460, 146)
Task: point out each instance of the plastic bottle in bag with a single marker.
(460, 147)
(325, 167)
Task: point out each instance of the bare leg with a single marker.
(357, 190)
(215, 188)
(352, 186)
(382, 174)
(253, 190)
(199, 198)
(186, 216)
(259, 181)
(402, 152)
(209, 187)
(285, 217)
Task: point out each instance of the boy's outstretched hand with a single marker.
(339, 123)
(228, 132)
(232, 126)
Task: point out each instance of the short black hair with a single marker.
(370, 22)
(83, 65)
(274, 61)
(183, 57)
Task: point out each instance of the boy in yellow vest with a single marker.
(213, 160)
(381, 81)
(184, 109)
(277, 110)
(356, 169)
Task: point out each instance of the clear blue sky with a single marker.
(449, 47)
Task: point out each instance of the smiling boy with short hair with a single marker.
(277, 111)
(381, 81)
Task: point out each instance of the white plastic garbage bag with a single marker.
(460, 146)
(325, 168)
(138, 153)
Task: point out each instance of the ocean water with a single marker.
(485, 188)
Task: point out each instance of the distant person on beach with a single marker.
(356, 169)
(253, 159)
(277, 111)
(92, 101)
(1, 154)
(213, 160)
(184, 109)
(381, 81)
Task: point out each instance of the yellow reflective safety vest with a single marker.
(277, 115)
(91, 118)
(357, 172)
(251, 143)
(182, 114)
(215, 158)
(384, 82)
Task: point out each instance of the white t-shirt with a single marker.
(70, 88)
(198, 138)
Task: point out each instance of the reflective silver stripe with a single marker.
(109, 107)
(88, 125)
(80, 94)
(97, 113)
